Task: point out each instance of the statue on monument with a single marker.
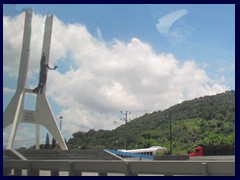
(42, 75)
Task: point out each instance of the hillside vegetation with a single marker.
(208, 120)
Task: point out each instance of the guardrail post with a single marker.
(17, 172)
(72, 171)
(168, 174)
(128, 171)
(102, 174)
(204, 169)
(6, 171)
(31, 171)
(54, 173)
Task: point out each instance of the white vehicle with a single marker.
(147, 151)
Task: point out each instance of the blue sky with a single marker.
(124, 57)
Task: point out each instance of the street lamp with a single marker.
(60, 122)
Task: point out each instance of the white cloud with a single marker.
(99, 35)
(25, 135)
(165, 22)
(105, 79)
(8, 90)
(176, 33)
(180, 34)
(225, 66)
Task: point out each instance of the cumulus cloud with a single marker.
(12, 41)
(99, 80)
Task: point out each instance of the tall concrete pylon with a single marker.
(42, 115)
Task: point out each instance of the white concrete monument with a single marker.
(42, 115)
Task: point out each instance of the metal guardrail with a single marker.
(129, 168)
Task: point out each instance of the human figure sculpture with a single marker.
(42, 75)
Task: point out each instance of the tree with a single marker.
(204, 120)
(53, 143)
(47, 144)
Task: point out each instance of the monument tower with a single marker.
(42, 114)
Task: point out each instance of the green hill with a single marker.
(205, 120)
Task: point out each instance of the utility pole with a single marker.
(169, 116)
(126, 134)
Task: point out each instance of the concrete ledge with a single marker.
(130, 168)
(169, 157)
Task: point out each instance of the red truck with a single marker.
(213, 150)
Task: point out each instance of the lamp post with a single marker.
(60, 122)
(169, 116)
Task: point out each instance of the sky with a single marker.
(112, 58)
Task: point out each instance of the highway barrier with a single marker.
(128, 168)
